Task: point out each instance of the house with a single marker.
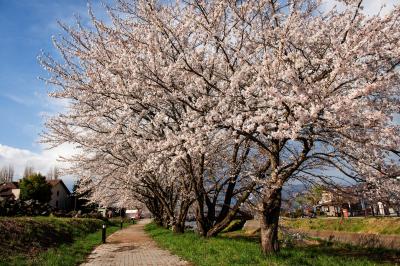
(338, 203)
(351, 201)
(60, 194)
(9, 190)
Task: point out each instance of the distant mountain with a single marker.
(291, 189)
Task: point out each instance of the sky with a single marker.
(26, 28)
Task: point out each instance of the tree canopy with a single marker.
(218, 103)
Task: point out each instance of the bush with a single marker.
(24, 208)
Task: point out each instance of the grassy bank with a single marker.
(244, 251)
(65, 254)
(48, 241)
(386, 226)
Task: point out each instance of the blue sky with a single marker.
(26, 28)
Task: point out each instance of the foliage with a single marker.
(242, 251)
(311, 197)
(35, 187)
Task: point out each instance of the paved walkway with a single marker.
(132, 247)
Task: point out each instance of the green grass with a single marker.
(386, 226)
(242, 251)
(71, 254)
(49, 241)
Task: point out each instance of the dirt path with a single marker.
(132, 247)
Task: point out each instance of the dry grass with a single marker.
(384, 225)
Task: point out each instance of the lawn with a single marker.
(380, 225)
(49, 241)
(226, 250)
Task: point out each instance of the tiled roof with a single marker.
(54, 182)
(9, 185)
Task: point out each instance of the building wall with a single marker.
(59, 197)
(16, 193)
(326, 197)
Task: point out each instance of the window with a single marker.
(58, 193)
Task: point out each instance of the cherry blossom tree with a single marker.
(167, 90)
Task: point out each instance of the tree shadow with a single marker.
(314, 247)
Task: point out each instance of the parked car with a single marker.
(133, 214)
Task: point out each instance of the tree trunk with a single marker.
(269, 219)
(229, 216)
(178, 228)
(165, 222)
(158, 221)
(202, 228)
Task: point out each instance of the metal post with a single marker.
(103, 233)
(120, 215)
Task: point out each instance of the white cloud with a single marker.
(373, 7)
(330, 4)
(51, 105)
(42, 161)
(18, 99)
(370, 7)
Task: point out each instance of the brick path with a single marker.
(132, 247)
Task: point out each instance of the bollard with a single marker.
(121, 223)
(103, 233)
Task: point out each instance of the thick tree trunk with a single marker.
(201, 222)
(178, 228)
(269, 220)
